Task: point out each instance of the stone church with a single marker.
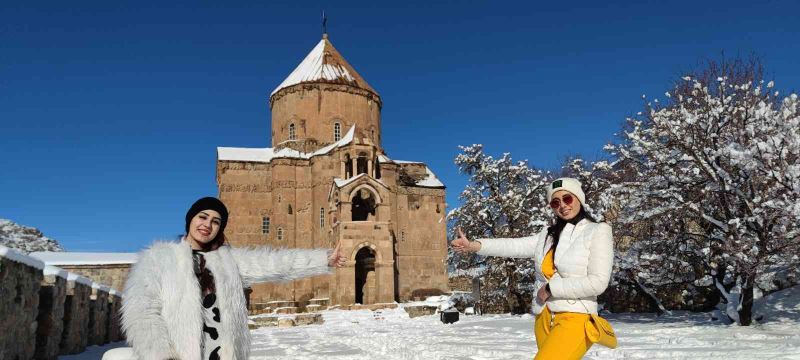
(327, 179)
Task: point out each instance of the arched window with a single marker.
(292, 132)
(265, 225)
(348, 166)
(337, 131)
(321, 218)
(361, 163)
(290, 209)
(279, 234)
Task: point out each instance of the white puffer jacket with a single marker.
(583, 259)
(161, 310)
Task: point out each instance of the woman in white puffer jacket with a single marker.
(573, 260)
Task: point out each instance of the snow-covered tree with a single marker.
(717, 169)
(503, 199)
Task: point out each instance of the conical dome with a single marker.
(324, 64)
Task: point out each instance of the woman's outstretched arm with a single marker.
(523, 247)
(266, 264)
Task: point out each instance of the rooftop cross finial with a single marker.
(324, 24)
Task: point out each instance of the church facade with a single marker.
(326, 179)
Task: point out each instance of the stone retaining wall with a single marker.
(50, 321)
(76, 315)
(46, 311)
(19, 304)
(114, 325)
(98, 315)
(111, 275)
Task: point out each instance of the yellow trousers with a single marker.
(566, 337)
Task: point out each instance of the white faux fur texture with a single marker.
(162, 310)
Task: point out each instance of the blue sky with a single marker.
(111, 112)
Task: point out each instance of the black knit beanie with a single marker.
(208, 203)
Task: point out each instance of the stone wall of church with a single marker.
(421, 242)
(296, 196)
(314, 108)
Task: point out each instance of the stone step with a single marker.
(285, 321)
(320, 301)
(257, 306)
(314, 308)
(286, 310)
(265, 310)
(308, 319)
(420, 310)
(281, 303)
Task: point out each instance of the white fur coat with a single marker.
(162, 311)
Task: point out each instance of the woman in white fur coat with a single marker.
(573, 261)
(186, 300)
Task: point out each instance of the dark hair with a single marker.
(554, 230)
(218, 241)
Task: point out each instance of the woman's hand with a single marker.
(335, 259)
(462, 245)
(542, 295)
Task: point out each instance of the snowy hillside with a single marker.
(25, 239)
(391, 334)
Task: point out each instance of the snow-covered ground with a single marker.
(390, 334)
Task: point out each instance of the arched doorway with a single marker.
(366, 289)
(363, 205)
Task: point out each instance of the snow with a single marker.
(431, 180)
(101, 287)
(25, 239)
(57, 271)
(266, 155)
(343, 182)
(84, 258)
(391, 334)
(315, 67)
(79, 279)
(16, 256)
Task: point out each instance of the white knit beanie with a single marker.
(568, 184)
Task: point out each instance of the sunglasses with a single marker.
(556, 202)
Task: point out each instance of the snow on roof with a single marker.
(266, 155)
(431, 180)
(79, 279)
(57, 271)
(81, 258)
(16, 256)
(407, 162)
(384, 159)
(343, 182)
(324, 64)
